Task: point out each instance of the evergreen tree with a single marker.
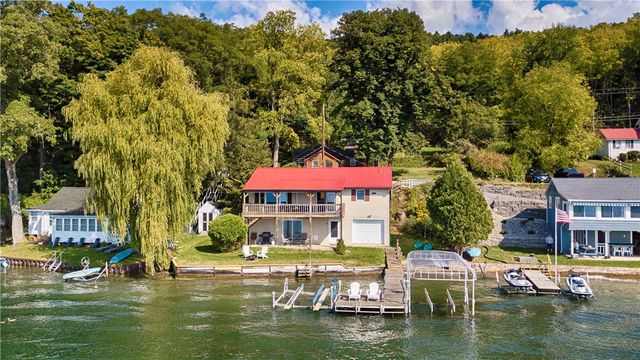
(459, 212)
(148, 138)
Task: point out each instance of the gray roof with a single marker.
(602, 189)
(69, 200)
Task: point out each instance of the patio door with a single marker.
(291, 228)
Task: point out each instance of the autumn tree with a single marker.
(291, 68)
(459, 213)
(552, 112)
(148, 137)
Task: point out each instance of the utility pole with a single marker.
(322, 136)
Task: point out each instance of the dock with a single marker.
(541, 282)
(394, 297)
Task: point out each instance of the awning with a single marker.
(604, 204)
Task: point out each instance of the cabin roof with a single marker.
(68, 200)
(600, 189)
(621, 134)
(319, 179)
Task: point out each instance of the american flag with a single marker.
(562, 217)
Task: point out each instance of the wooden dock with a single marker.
(394, 298)
(541, 283)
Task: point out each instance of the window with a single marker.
(616, 144)
(83, 224)
(74, 224)
(98, 226)
(315, 164)
(584, 211)
(204, 217)
(352, 161)
(67, 224)
(270, 197)
(92, 224)
(550, 204)
(328, 163)
(612, 211)
(58, 224)
(331, 198)
(629, 144)
(291, 228)
(334, 227)
(283, 198)
(635, 212)
(360, 194)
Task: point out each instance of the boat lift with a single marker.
(316, 303)
(436, 265)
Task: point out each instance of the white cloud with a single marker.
(248, 12)
(456, 16)
(522, 14)
(181, 9)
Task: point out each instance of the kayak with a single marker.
(121, 255)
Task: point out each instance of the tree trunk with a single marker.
(17, 233)
(276, 150)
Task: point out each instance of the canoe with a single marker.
(82, 274)
(121, 255)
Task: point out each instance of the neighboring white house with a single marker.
(63, 218)
(206, 213)
(618, 141)
(318, 205)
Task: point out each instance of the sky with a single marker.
(456, 16)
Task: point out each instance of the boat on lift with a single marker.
(515, 278)
(579, 287)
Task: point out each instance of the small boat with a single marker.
(578, 287)
(516, 279)
(4, 264)
(82, 275)
(121, 255)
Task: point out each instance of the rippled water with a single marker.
(233, 318)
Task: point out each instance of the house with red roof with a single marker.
(618, 141)
(318, 206)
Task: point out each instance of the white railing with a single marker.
(291, 209)
(409, 183)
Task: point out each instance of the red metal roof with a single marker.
(319, 179)
(621, 134)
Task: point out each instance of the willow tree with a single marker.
(148, 138)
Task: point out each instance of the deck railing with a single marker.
(291, 209)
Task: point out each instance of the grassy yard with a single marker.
(499, 254)
(587, 166)
(72, 255)
(422, 173)
(197, 251)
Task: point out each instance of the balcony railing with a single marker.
(291, 209)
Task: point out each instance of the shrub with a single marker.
(227, 232)
(408, 161)
(341, 248)
(396, 173)
(633, 155)
(487, 163)
(622, 157)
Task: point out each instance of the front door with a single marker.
(334, 231)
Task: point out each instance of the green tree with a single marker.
(382, 74)
(291, 67)
(552, 112)
(227, 232)
(459, 213)
(19, 125)
(148, 137)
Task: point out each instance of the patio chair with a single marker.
(285, 241)
(55, 242)
(80, 243)
(627, 251)
(373, 293)
(247, 254)
(69, 242)
(617, 250)
(262, 254)
(354, 291)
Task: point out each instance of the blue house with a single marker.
(605, 215)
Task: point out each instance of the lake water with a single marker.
(233, 318)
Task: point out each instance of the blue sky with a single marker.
(458, 16)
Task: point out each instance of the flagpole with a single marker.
(555, 242)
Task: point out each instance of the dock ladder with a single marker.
(54, 262)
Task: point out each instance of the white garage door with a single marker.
(367, 231)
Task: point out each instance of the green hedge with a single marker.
(227, 232)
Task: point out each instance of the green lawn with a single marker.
(422, 173)
(500, 254)
(72, 255)
(197, 251)
(600, 165)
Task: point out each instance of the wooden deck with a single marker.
(393, 299)
(541, 283)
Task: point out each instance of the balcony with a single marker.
(291, 210)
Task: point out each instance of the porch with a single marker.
(292, 231)
(599, 243)
(292, 204)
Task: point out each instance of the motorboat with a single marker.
(84, 274)
(579, 287)
(516, 279)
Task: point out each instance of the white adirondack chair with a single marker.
(373, 293)
(262, 254)
(247, 253)
(354, 291)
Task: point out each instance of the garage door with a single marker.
(367, 231)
